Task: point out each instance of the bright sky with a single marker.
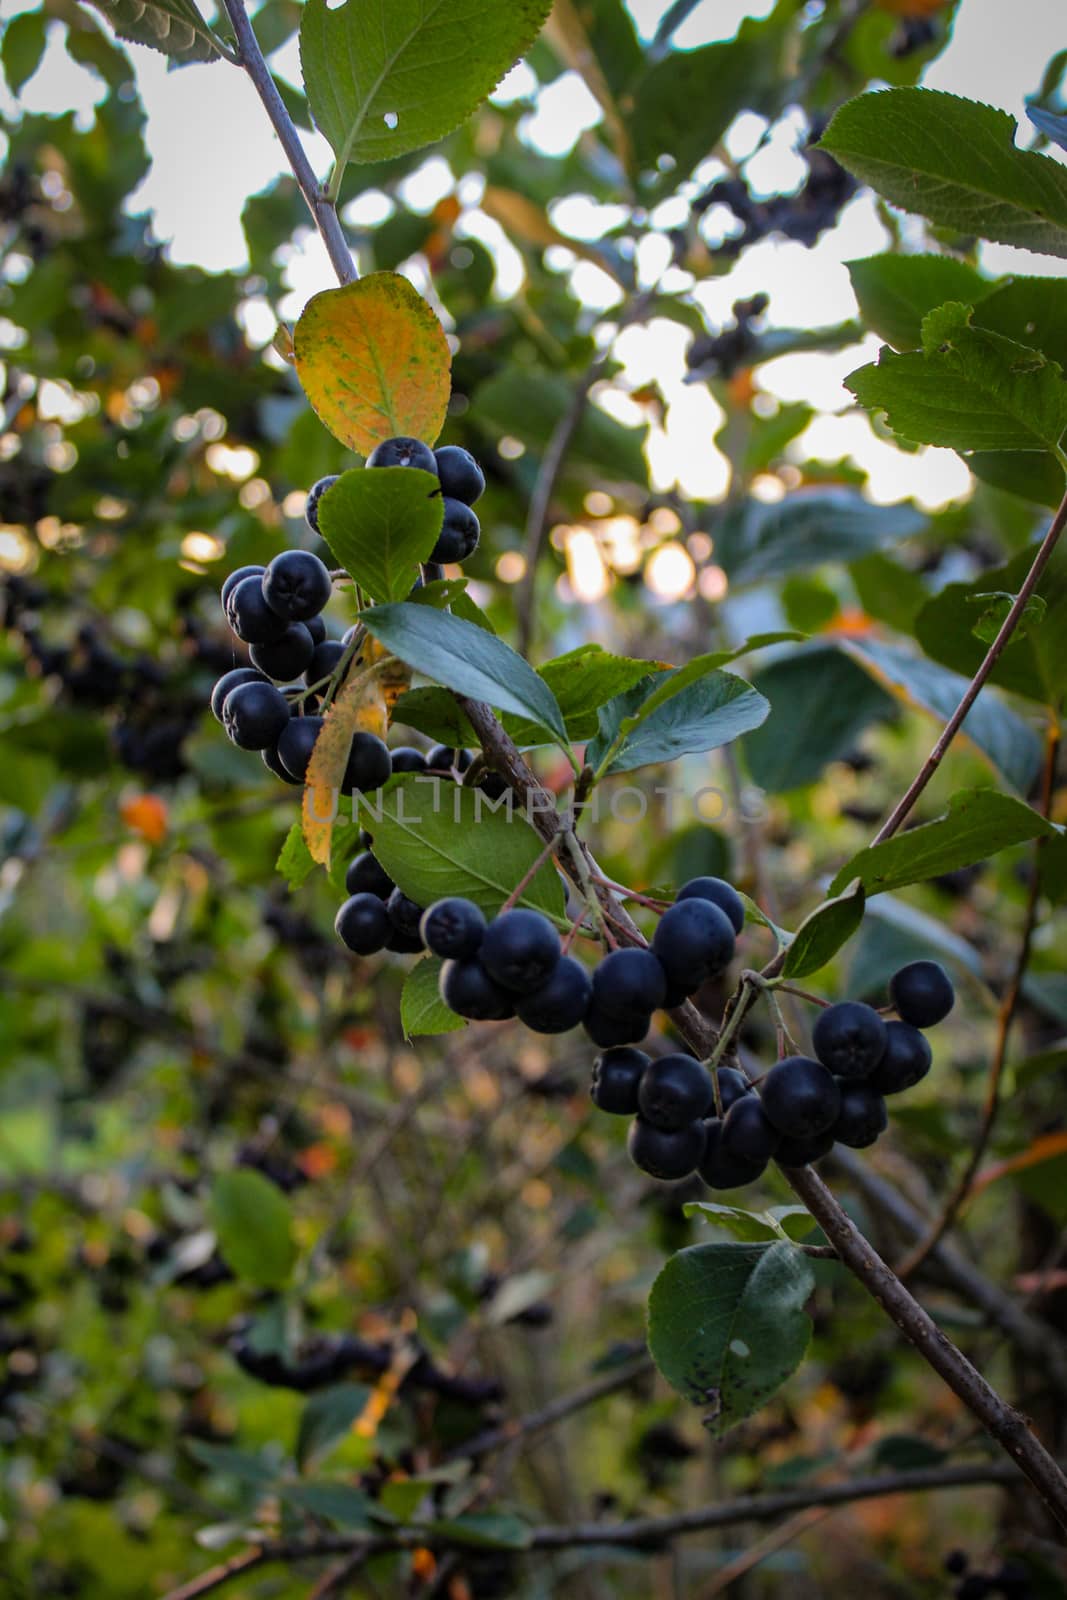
(211, 147)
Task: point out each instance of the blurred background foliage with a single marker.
(170, 1015)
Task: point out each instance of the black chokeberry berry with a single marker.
(403, 452)
(326, 659)
(628, 982)
(249, 615)
(406, 758)
(800, 1097)
(228, 681)
(404, 944)
(405, 915)
(366, 875)
(296, 743)
(460, 532)
(675, 1090)
(694, 941)
(561, 1002)
(732, 1085)
(922, 993)
(802, 1152)
(467, 989)
(297, 585)
(315, 494)
(273, 763)
(443, 758)
(363, 924)
(719, 1168)
(616, 1080)
(748, 1133)
(957, 1562)
(720, 893)
(369, 764)
(316, 626)
(666, 1154)
(453, 928)
(461, 476)
(235, 578)
(254, 715)
(608, 1032)
(863, 1115)
(849, 1038)
(907, 1058)
(520, 949)
(285, 658)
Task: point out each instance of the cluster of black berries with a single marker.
(720, 355)
(1011, 1579)
(462, 483)
(802, 216)
(687, 1122)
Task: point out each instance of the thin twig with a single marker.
(215, 1577)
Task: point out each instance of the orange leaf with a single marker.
(374, 361)
(146, 814)
(1041, 1149)
(358, 708)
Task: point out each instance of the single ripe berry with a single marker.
(467, 989)
(863, 1115)
(405, 915)
(800, 1097)
(720, 893)
(719, 1168)
(957, 1562)
(404, 944)
(694, 941)
(663, 1154)
(285, 658)
(802, 1152)
(732, 1085)
(747, 1131)
(452, 928)
(296, 743)
(403, 452)
(363, 924)
(460, 532)
(369, 764)
(406, 758)
(326, 659)
(273, 763)
(520, 949)
(608, 1031)
(907, 1058)
(316, 626)
(297, 585)
(315, 494)
(443, 758)
(616, 1079)
(628, 982)
(922, 993)
(249, 615)
(675, 1090)
(235, 578)
(461, 476)
(366, 875)
(228, 681)
(559, 1003)
(849, 1038)
(254, 715)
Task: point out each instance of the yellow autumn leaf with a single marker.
(358, 708)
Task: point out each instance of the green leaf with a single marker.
(955, 162)
(821, 935)
(820, 704)
(755, 540)
(421, 1008)
(995, 610)
(382, 525)
(1032, 311)
(905, 1452)
(254, 1227)
(1004, 738)
(978, 823)
(726, 1325)
(326, 1419)
(1034, 664)
(438, 838)
(889, 591)
(174, 27)
(247, 1466)
(338, 1503)
(895, 292)
(582, 681)
(781, 1222)
(463, 657)
(482, 1530)
(703, 715)
(1032, 474)
(970, 390)
(386, 76)
(22, 47)
(295, 863)
(435, 713)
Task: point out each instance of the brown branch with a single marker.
(215, 1577)
(956, 1200)
(904, 807)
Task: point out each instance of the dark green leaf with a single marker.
(755, 540)
(295, 863)
(1032, 311)
(1032, 474)
(582, 681)
(338, 1503)
(820, 704)
(435, 713)
(253, 1225)
(382, 525)
(821, 935)
(421, 1008)
(895, 292)
(326, 1419)
(994, 610)
(781, 1222)
(904, 1452)
(889, 591)
(174, 27)
(22, 47)
(706, 714)
(245, 1465)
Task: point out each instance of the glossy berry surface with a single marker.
(802, 1152)
(520, 949)
(363, 924)
(403, 452)
(747, 1132)
(675, 1090)
(403, 943)
(285, 658)
(720, 893)
(296, 585)
(719, 1168)
(316, 626)
(608, 1031)
(326, 659)
(406, 758)
(228, 681)
(561, 1002)
(732, 1085)
(254, 715)
(461, 476)
(405, 915)
(628, 981)
(296, 742)
(922, 993)
(849, 1039)
(800, 1097)
(694, 941)
(235, 578)
(907, 1059)
(315, 494)
(863, 1116)
(616, 1079)
(665, 1154)
(273, 763)
(467, 989)
(453, 928)
(369, 764)
(460, 532)
(249, 615)
(366, 875)
(443, 758)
